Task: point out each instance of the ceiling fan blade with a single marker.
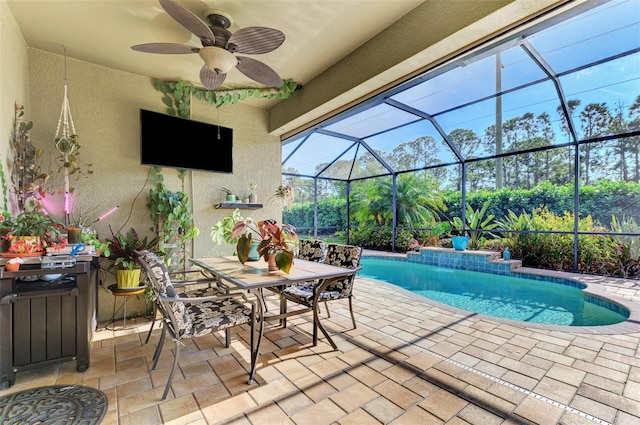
(258, 71)
(255, 40)
(166, 48)
(210, 79)
(190, 21)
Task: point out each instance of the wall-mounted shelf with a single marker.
(241, 205)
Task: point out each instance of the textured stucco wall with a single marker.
(14, 74)
(105, 107)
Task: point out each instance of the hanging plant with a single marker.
(177, 95)
(66, 142)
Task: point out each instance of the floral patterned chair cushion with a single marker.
(312, 250)
(343, 256)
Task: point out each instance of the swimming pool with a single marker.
(560, 302)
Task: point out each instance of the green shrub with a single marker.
(380, 238)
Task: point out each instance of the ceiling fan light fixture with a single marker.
(218, 59)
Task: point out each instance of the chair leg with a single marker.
(283, 310)
(227, 337)
(173, 368)
(156, 355)
(353, 319)
(264, 300)
(255, 350)
(153, 321)
(326, 305)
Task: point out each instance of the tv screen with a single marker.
(167, 141)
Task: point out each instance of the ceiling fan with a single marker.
(219, 46)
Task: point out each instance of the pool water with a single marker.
(507, 297)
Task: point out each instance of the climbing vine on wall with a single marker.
(177, 95)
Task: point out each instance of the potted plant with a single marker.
(121, 249)
(229, 196)
(32, 232)
(222, 231)
(79, 223)
(276, 243)
(459, 240)
(26, 177)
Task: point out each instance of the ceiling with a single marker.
(318, 32)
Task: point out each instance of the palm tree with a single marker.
(418, 203)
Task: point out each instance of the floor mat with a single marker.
(55, 404)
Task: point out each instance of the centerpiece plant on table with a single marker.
(276, 243)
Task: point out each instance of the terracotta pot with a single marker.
(12, 267)
(272, 263)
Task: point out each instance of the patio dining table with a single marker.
(254, 277)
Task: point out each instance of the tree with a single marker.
(595, 120)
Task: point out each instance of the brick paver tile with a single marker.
(366, 375)
(383, 410)
(555, 390)
(632, 390)
(397, 393)
(358, 417)
(443, 405)
(354, 397)
(593, 408)
(275, 390)
(416, 415)
(538, 411)
(581, 353)
(315, 387)
(324, 413)
(522, 368)
(269, 414)
(566, 374)
(612, 400)
(148, 416)
(475, 415)
(603, 371)
(182, 410)
(228, 409)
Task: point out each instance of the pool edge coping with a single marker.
(597, 289)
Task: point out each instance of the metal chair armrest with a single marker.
(197, 300)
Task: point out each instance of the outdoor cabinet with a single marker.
(43, 321)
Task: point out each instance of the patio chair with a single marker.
(308, 249)
(203, 286)
(192, 317)
(337, 255)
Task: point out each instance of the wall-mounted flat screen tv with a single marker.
(167, 141)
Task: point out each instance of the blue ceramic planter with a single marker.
(460, 242)
(253, 252)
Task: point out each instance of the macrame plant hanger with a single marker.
(66, 141)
